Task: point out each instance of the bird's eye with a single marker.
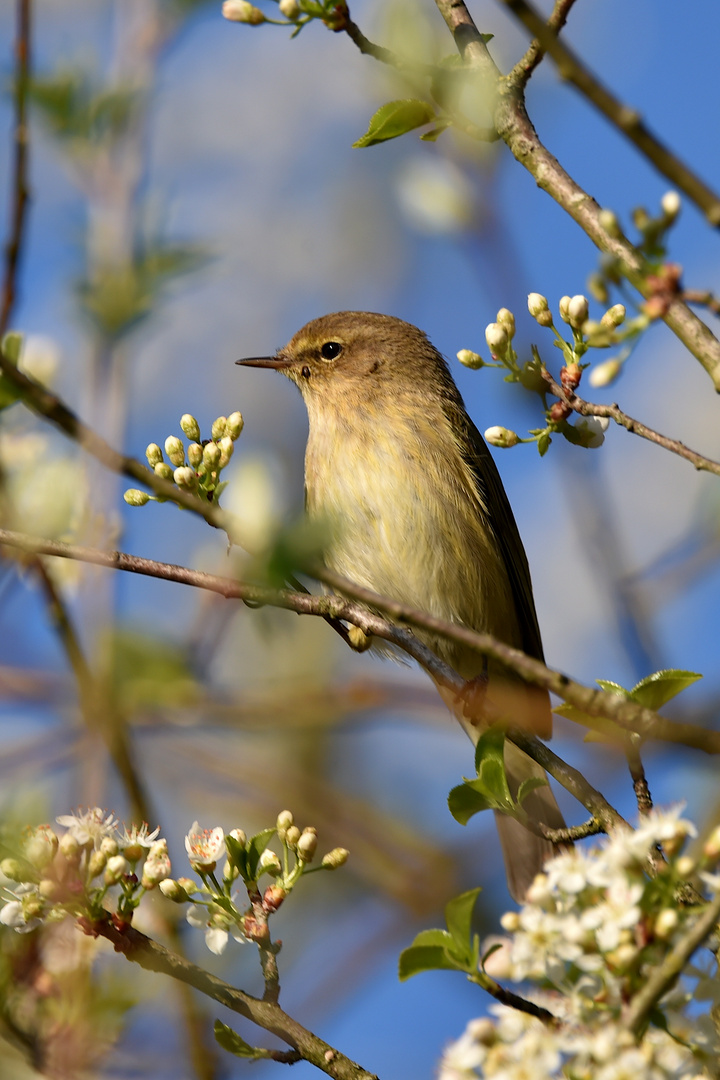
(330, 350)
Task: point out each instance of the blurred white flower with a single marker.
(435, 195)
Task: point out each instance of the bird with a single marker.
(419, 514)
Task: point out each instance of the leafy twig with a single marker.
(614, 412)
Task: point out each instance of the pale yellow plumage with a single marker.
(418, 510)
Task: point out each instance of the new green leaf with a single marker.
(394, 119)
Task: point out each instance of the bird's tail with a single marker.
(524, 852)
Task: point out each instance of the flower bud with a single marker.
(640, 218)
(227, 446)
(606, 373)
(211, 455)
(506, 319)
(609, 222)
(69, 847)
(269, 863)
(497, 338)
(13, 869)
(173, 890)
(135, 497)
(109, 846)
(157, 865)
(195, 454)
(242, 11)
(670, 204)
(577, 311)
(116, 869)
(614, 316)
(188, 885)
(685, 866)
(501, 437)
(597, 288)
(185, 477)
(665, 923)
(289, 8)
(96, 864)
(563, 307)
(190, 427)
(239, 835)
(49, 889)
(40, 847)
(711, 847)
(218, 429)
(175, 450)
(273, 897)
(234, 426)
(153, 453)
(284, 820)
(537, 303)
(292, 835)
(510, 921)
(163, 470)
(337, 857)
(307, 844)
(470, 359)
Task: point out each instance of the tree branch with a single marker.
(268, 1015)
(662, 978)
(21, 190)
(525, 67)
(614, 412)
(623, 117)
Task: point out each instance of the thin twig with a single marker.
(558, 17)
(268, 1015)
(573, 832)
(20, 185)
(99, 713)
(622, 116)
(702, 298)
(514, 1001)
(636, 427)
(662, 978)
(637, 772)
(386, 56)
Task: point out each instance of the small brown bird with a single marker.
(395, 464)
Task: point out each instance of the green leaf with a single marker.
(255, 847)
(656, 690)
(458, 916)
(490, 766)
(543, 443)
(425, 958)
(235, 1044)
(434, 937)
(612, 687)
(237, 856)
(394, 119)
(434, 133)
(464, 801)
(529, 785)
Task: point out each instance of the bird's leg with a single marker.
(358, 639)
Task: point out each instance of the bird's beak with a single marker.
(276, 362)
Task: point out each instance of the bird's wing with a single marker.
(502, 522)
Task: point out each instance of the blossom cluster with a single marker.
(595, 926)
(97, 869)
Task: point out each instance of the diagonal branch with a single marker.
(268, 1015)
(558, 17)
(623, 117)
(636, 718)
(614, 412)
